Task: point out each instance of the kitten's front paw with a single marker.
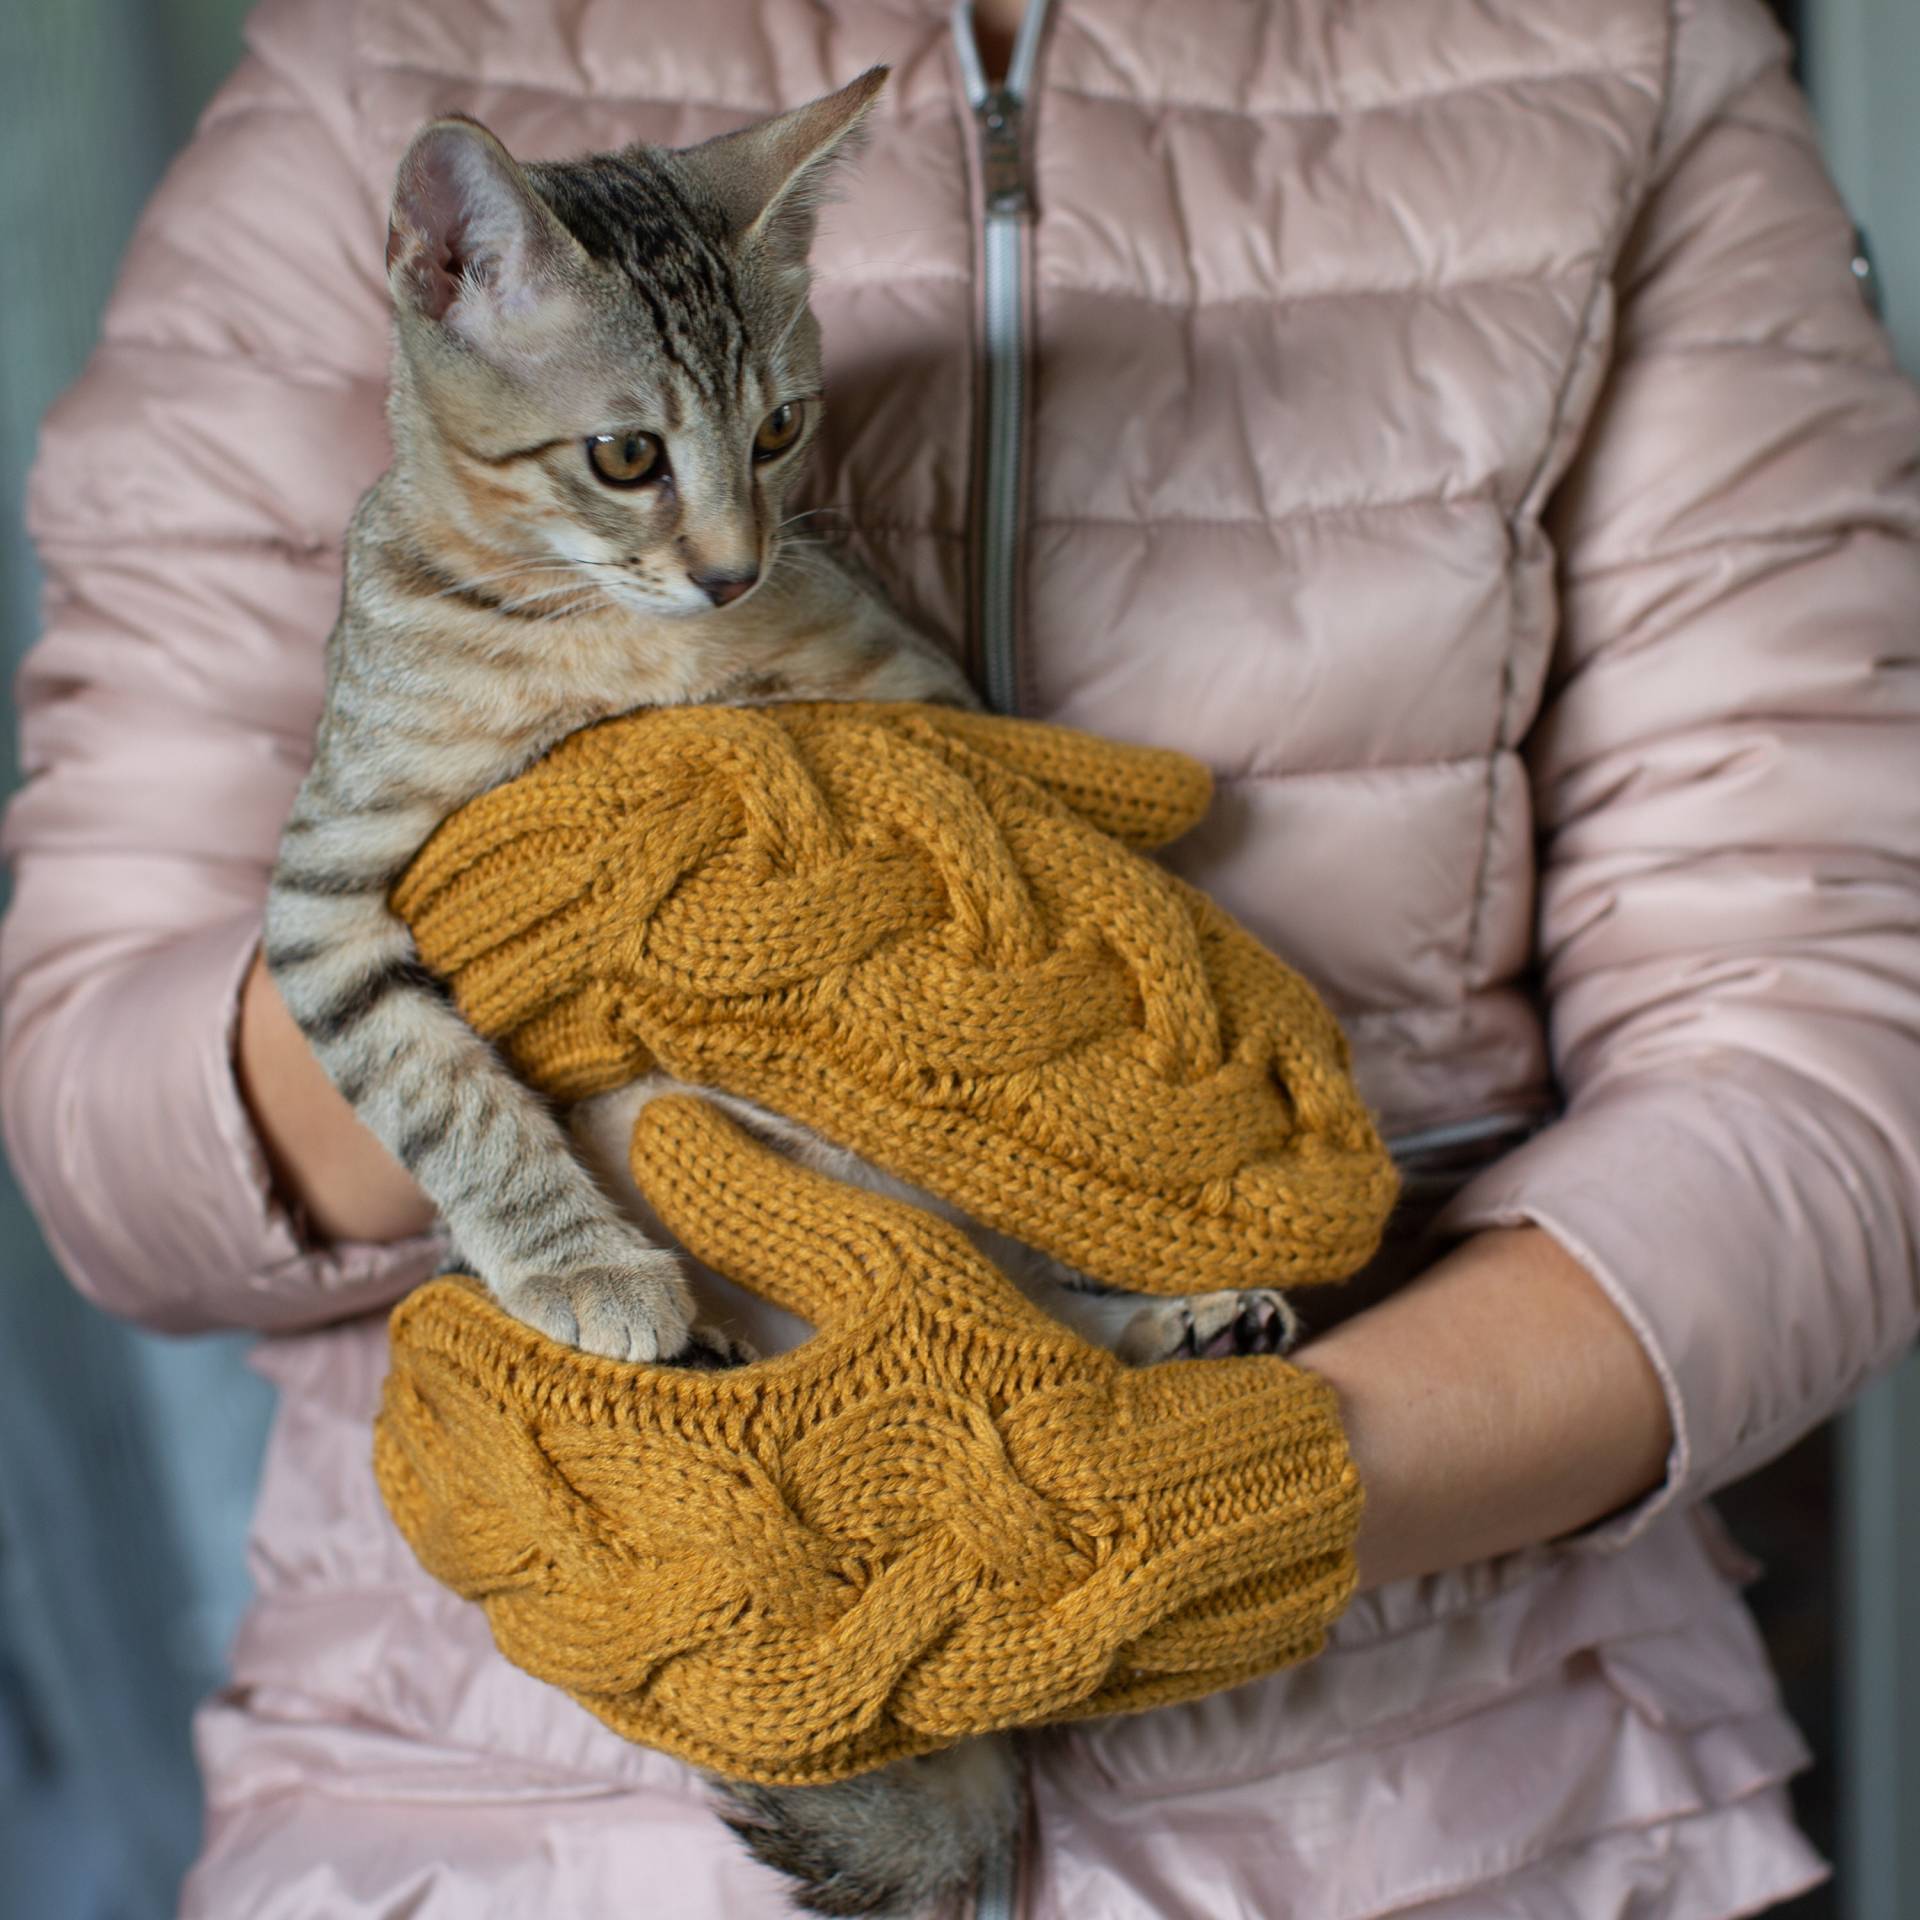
(637, 1310)
(1209, 1326)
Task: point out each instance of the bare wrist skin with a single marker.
(332, 1173)
(1497, 1401)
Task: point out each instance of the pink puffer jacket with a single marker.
(1459, 424)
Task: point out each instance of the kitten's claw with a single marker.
(1266, 1323)
(712, 1350)
(1209, 1326)
(639, 1310)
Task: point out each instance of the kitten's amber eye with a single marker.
(778, 431)
(626, 459)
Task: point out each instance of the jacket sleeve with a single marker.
(1727, 780)
(188, 502)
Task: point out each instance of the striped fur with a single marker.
(500, 595)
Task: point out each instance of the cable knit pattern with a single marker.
(1540, 590)
(914, 930)
(942, 1515)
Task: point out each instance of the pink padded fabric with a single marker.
(1457, 424)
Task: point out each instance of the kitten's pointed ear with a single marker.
(469, 242)
(771, 178)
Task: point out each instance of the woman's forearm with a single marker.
(327, 1166)
(1497, 1401)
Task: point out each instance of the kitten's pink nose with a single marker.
(725, 588)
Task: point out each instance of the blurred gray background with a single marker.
(127, 1462)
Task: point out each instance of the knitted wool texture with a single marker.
(917, 931)
(941, 1515)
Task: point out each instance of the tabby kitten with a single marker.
(606, 379)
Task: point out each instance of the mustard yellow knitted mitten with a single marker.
(919, 932)
(942, 1515)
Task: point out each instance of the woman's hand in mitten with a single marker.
(942, 1515)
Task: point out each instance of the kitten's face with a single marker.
(612, 372)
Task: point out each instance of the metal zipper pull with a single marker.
(1002, 165)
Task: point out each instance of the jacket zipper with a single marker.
(1000, 116)
(996, 1894)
